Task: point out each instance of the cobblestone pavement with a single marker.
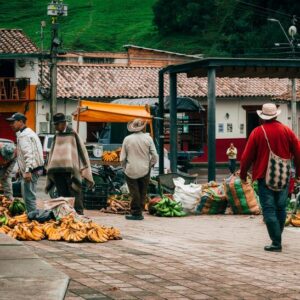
(195, 257)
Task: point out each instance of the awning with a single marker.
(108, 112)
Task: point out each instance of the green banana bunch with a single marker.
(17, 207)
(3, 220)
(169, 208)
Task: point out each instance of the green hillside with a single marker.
(95, 25)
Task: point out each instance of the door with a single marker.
(5, 131)
(252, 121)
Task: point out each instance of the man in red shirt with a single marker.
(284, 143)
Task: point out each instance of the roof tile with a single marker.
(15, 41)
(80, 81)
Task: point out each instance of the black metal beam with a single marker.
(161, 121)
(173, 122)
(211, 120)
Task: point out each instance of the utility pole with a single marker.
(55, 9)
(291, 42)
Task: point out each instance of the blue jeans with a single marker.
(29, 192)
(232, 163)
(273, 205)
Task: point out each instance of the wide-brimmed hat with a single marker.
(136, 125)
(59, 118)
(269, 111)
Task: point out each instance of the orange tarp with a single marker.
(110, 112)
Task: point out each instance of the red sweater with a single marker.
(283, 143)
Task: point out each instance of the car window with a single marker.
(49, 143)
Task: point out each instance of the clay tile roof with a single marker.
(287, 95)
(142, 82)
(15, 41)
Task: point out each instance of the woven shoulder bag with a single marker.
(278, 170)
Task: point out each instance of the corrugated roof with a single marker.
(15, 41)
(133, 82)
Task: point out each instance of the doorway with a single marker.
(252, 121)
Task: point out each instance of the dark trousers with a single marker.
(63, 185)
(138, 191)
(274, 210)
(232, 163)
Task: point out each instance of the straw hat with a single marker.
(269, 111)
(136, 125)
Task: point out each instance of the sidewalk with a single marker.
(195, 257)
(23, 275)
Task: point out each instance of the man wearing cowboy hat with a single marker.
(283, 143)
(137, 156)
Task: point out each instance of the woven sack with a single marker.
(213, 201)
(241, 196)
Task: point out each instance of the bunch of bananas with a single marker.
(27, 232)
(110, 156)
(17, 207)
(168, 208)
(67, 228)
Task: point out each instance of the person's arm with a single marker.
(123, 155)
(10, 167)
(248, 156)
(27, 146)
(153, 153)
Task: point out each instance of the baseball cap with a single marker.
(17, 117)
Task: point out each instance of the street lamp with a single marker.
(55, 9)
(292, 32)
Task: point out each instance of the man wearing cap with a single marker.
(29, 157)
(137, 156)
(68, 163)
(7, 163)
(284, 143)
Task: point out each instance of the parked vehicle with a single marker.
(46, 140)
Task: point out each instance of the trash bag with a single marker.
(41, 215)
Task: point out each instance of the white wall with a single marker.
(30, 70)
(66, 107)
(233, 109)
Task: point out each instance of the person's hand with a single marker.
(27, 176)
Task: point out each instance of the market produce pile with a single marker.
(67, 228)
(166, 207)
(118, 204)
(293, 219)
(111, 155)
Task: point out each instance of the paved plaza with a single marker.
(195, 257)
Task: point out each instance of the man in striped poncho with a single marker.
(68, 163)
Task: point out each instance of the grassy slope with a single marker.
(96, 25)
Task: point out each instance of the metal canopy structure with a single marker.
(210, 68)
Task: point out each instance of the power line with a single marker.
(265, 9)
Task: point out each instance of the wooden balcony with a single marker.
(14, 89)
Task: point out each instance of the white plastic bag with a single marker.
(187, 194)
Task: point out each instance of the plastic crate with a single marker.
(95, 198)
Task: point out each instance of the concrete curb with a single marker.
(25, 276)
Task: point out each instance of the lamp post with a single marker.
(292, 32)
(55, 9)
